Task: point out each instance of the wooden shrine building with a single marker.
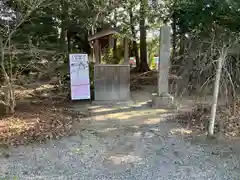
(111, 81)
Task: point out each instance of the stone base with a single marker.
(163, 101)
(112, 103)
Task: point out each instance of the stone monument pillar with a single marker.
(163, 99)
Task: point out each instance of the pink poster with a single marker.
(79, 76)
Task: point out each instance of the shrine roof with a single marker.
(107, 32)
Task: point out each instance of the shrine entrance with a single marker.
(111, 81)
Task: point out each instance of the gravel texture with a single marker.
(112, 150)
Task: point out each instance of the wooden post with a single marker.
(164, 60)
(110, 42)
(97, 51)
(91, 52)
(126, 51)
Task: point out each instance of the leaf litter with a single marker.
(37, 123)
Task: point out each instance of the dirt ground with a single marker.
(129, 141)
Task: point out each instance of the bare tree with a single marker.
(5, 45)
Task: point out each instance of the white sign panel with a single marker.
(79, 76)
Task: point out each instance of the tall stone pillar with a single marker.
(163, 98)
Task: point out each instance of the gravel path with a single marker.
(127, 146)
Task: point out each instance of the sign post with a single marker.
(79, 76)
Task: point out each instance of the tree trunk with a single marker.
(135, 48)
(69, 47)
(183, 30)
(143, 37)
(182, 69)
(174, 38)
(182, 47)
(233, 81)
(64, 26)
(9, 96)
(115, 40)
(220, 63)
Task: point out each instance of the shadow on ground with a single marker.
(127, 142)
(124, 128)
